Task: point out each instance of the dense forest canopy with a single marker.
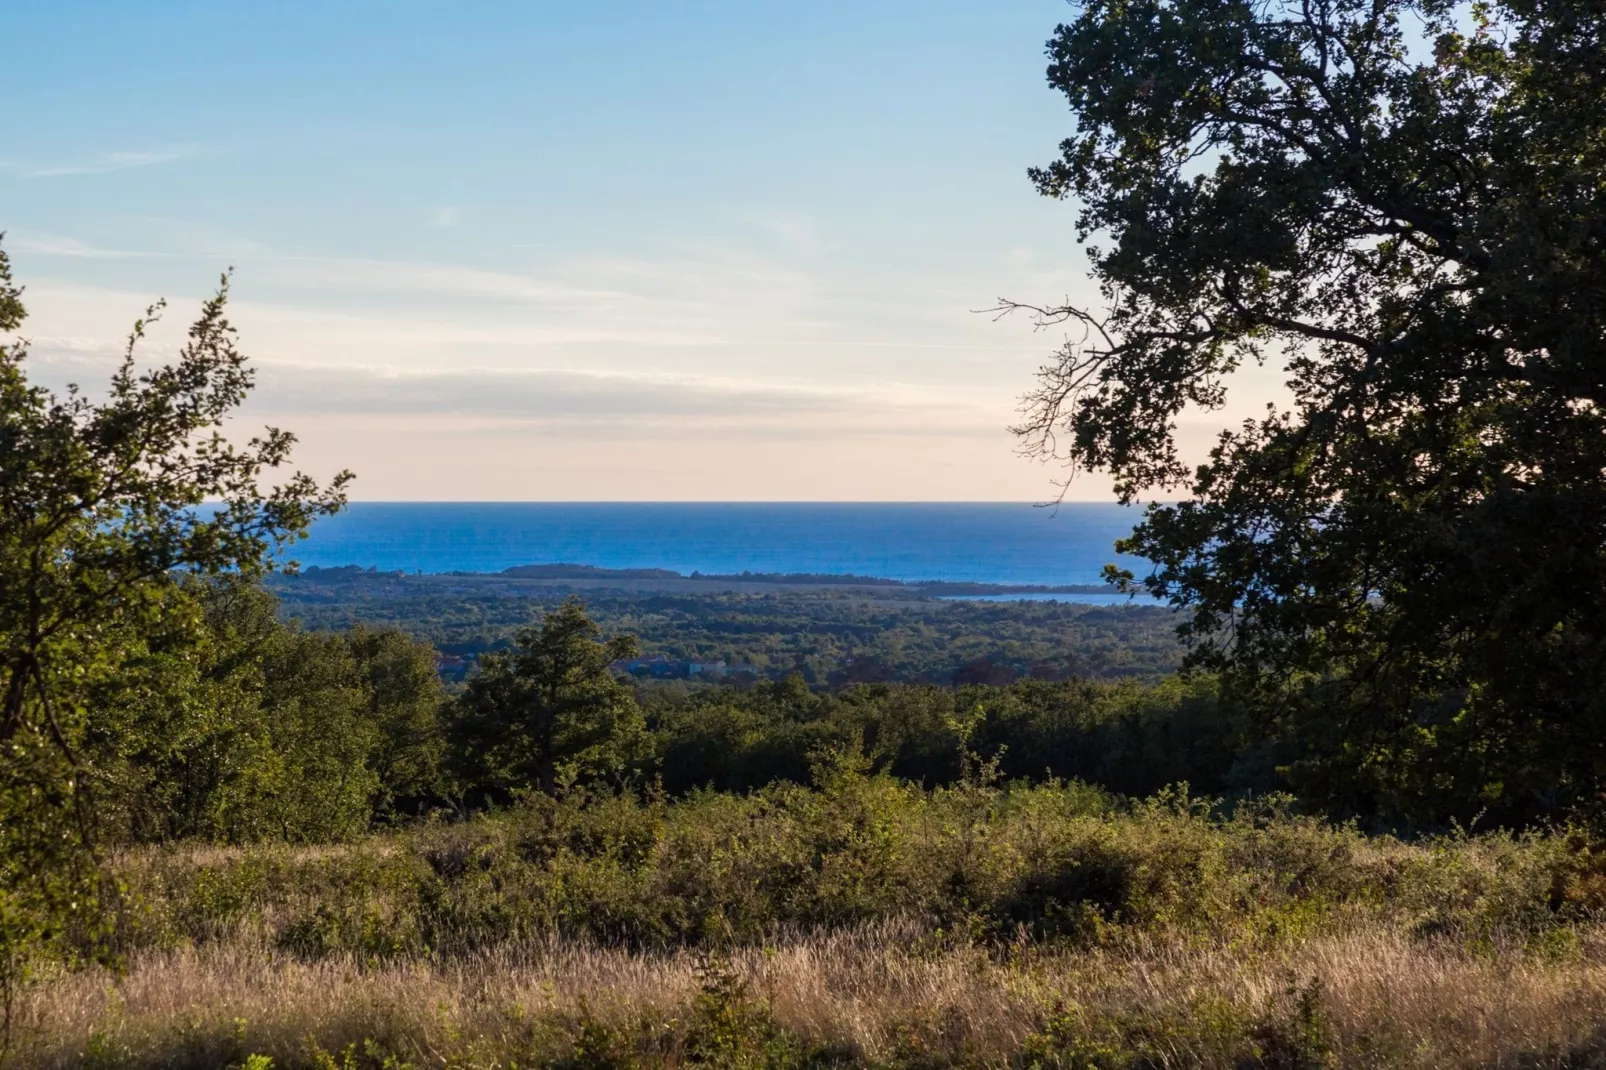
(831, 634)
(261, 730)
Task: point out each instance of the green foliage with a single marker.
(730, 1030)
(976, 862)
(241, 728)
(549, 712)
(1405, 570)
(1290, 1035)
(252, 729)
(100, 507)
(403, 708)
(832, 637)
(1125, 737)
(1064, 901)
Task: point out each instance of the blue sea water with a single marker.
(1097, 598)
(979, 542)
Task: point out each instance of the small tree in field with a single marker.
(549, 710)
(100, 513)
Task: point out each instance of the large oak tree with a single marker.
(1404, 205)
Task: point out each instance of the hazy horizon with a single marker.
(604, 252)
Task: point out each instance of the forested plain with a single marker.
(831, 633)
(1342, 802)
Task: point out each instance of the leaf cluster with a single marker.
(1404, 204)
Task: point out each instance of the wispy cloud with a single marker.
(556, 399)
(105, 163)
(398, 276)
(573, 396)
(678, 304)
(53, 245)
(447, 215)
(688, 343)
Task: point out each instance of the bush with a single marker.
(1055, 861)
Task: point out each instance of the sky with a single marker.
(563, 251)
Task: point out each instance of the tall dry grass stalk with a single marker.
(885, 994)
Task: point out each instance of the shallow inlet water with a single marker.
(1094, 598)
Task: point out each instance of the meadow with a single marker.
(861, 921)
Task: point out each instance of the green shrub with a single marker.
(1050, 861)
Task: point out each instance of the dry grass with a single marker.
(882, 995)
(1034, 932)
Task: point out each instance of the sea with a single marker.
(1002, 542)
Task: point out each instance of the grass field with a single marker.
(872, 923)
(875, 995)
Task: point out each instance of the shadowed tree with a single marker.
(549, 710)
(404, 700)
(1405, 205)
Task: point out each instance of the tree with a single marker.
(403, 705)
(101, 508)
(1404, 203)
(177, 732)
(549, 710)
(253, 729)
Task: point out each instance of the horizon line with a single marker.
(729, 501)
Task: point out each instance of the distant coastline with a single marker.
(936, 588)
(571, 576)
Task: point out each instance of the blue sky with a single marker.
(563, 251)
